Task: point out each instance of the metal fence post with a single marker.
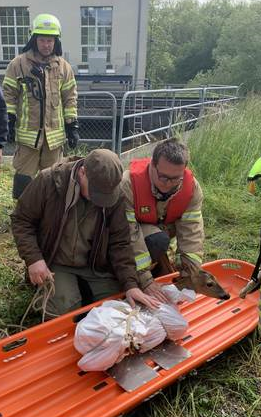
(98, 116)
(202, 94)
(171, 116)
(123, 105)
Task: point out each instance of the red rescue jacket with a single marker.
(146, 204)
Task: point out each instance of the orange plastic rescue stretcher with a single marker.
(39, 376)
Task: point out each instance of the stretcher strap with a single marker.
(129, 337)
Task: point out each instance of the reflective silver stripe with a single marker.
(70, 112)
(178, 259)
(130, 216)
(11, 108)
(55, 138)
(12, 82)
(24, 134)
(69, 84)
(55, 133)
(26, 137)
(143, 261)
(194, 257)
(60, 110)
(56, 144)
(191, 216)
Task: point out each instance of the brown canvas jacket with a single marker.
(40, 215)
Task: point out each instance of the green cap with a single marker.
(104, 172)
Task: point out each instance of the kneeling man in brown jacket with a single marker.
(70, 226)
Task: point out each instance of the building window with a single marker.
(14, 26)
(96, 25)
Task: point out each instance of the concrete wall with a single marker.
(124, 27)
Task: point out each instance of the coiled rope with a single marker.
(38, 303)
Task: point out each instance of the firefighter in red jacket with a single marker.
(163, 201)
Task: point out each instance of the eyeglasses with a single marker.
(164, 178)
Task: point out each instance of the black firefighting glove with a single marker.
(72, 133)
(11, 127)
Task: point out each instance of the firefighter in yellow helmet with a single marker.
(41, 98)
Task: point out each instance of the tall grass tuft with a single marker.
(224, 148)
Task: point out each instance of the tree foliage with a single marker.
(215, 42)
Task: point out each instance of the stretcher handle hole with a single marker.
(236, 310)
(220, 301)
(80, 373)
(189, 336)
(231, 265)
(79, 317)
(100, 386)
(13, 345)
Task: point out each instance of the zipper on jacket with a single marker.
(99, 241)
(39, 75)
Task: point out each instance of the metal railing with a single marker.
(161, 110)
(97, 115)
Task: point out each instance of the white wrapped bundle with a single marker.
(105, 355)
(176, 295)
(172, 320)
(155, 333)
(96, 327)
(111, 331)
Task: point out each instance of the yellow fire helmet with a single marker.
(46, 24)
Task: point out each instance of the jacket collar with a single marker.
(63, 173)
(52, 60)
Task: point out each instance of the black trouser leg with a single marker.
(20, 183)
(86, 292)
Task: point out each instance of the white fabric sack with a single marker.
(102, 336)
(176, 295)
(172, 320)
(106, 334)
(155, 333)
(104, 355)
(95, 328)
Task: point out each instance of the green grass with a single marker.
(222, 152)
(232, 222)
(15, 292)
(224, 148)
(6, 201)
